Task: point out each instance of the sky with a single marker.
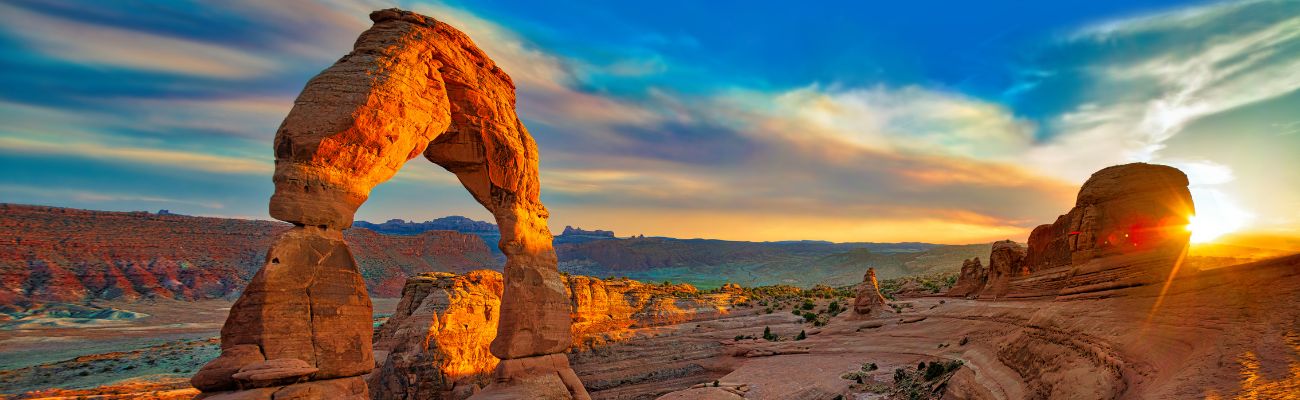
(944, 122)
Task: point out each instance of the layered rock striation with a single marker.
(411, 86)
(66, 255)
(435, 345)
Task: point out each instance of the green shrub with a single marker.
(801, 336)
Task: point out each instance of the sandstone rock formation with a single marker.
(1006, 260)
(411, 86)
(971, 279)
(1120, 210)
(436, 342)
(1127, 228)
(869, 299)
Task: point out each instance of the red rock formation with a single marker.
(436, 342)
(1120, 210)
(971, 279)
(1006, 260)
(51, 254)
(435, 345)
(411, 85)
(1127, 228)
(869, 299)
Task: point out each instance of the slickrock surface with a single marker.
(51, 254)
(436, 342)
(1213, 335)
(411, 86)
(869, 299)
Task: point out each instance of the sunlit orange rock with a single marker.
(436, 342)
(869, 299)
(411, 86)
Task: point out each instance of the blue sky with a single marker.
(939, 121)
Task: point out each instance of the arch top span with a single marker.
(411, 86)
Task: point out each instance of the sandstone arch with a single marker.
(411, 86)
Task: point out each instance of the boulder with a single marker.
(216, 375)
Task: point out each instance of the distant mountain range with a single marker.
(710, 263)
(51, 254)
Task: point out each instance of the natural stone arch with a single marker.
(411, 86)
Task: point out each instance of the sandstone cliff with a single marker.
(435, 344)
(51, 254)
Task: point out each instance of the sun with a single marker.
(1210, 224)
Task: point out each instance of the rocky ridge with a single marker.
(52, 254)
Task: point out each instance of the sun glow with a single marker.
(1211, 223)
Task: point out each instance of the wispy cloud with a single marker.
(736, 160)
(95, 197)
(115, 47)
(1211, 62)
(139, 156)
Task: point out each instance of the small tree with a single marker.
(801, 336)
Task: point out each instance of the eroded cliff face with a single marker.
(436, 342)
(52, 254)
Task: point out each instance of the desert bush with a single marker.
(809, 317)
